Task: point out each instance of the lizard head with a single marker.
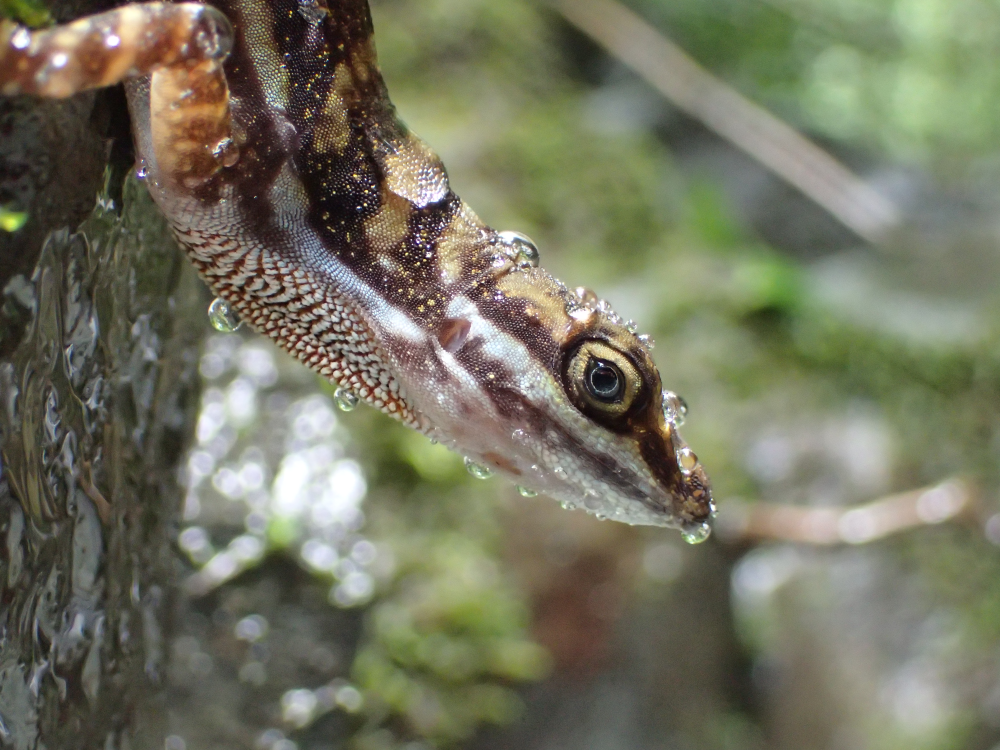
(550, 387)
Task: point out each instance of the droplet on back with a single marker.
(524, 251)
(347, 400)
(525, 492)
(226, 152)
(222, 317)
(312, 11)
(586, 296)
(477, 470)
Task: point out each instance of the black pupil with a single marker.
(604, 380)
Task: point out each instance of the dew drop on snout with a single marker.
(141, 172)
(696, 533)
(687, 460)
(525, 492)
(519, 436)
(347, 400)
(477, 470)
(674, 408)
(222, 317)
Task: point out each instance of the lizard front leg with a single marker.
(180, 46)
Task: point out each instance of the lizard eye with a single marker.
(602, 382)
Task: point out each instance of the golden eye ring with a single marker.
(602, 381)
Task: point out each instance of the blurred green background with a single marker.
(820, 372)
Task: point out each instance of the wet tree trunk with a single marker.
(99, 328)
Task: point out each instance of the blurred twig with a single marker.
(780, 148)
(857, 524)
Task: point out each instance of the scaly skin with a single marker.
(309, 207)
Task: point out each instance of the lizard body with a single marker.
(267, 138)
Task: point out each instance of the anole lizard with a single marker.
(268, 140)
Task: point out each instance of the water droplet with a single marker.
(525, 251)
(631, 326)
(675, 408)
(20, 39)
(519, 436)
(141, 172)
(226, 152)
(222, 317)
(347, 400)
(696, 533)
(591, 501)
(560, 472)
(566, 505)
(585, 295)
(647, 341)
(477, 470)
(312, 11)
(687, 460)
(525, 492)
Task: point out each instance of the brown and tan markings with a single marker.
(306, 204)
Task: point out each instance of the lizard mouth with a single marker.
(676, 488)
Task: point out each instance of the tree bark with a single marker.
(99, 331)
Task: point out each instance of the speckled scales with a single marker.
(306, 204)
